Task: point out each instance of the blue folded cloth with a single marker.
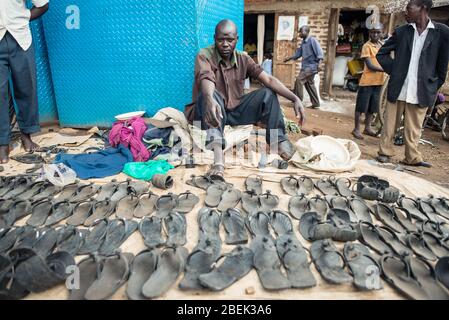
(106, 163)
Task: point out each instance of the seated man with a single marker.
(220, 73)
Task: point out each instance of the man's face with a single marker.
(375, 35)
(412, 12)
(226, 43)
(304, 33)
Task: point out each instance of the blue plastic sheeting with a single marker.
(46, 94)
(127, 55)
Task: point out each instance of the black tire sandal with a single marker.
(268, 201)
(229, 199)
(186, 202)
(253, 183)
(250, 202)
(107, 190)
(94, 239)
(60, 211)
(151, 231)
(387, 216)
(209, 221)
(40, 212)
(258, 224)
(176, 228)
(327, 186)
(298, 206)
(117, 233)
(100, 210)
(146, 205)
(361, 209)
(281, 223)
(143, 266)
(126, 206)
(81, 211)
(234, 225)
(442, 271)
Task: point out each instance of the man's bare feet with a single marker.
(4, 154)
(27, 143)
(357, 135)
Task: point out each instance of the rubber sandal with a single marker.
(199, 262)
(290, 185)
(67, 192)
(250, 202)
(186, 202)
(143, 266)
(46, 242)
(121, 191)
(425, 274)
(327, 186)
(306, 185)
(435, 245)
(281, 223)
(237, 264)
(138, 187)
(344, 231)
(229, 199)
(113, 275)
(441, 206)
(312, 228)
(295, 261)
(88, 269)
(361, 210)
(94, 239)
(298, 206)
(258, 224)
(405, 219)
(234, 225)
(7, 220)
(343, 186)
(396, 271)
(33, 190)
(40, 212)
(412, 207)
(38, 274)
(367, 187)
(49, 191)
(59, 212)
(370, 236)
(416, 242)
(329, 262)
(9, 238)
(26, 240)
(364, 268)
(319, 205)
(28, 158)
(213, 195)
(390, 237)
(146, 205)
(126, 206)
(151, 231)
(209, 222)
(268, 201)
(170, 264)
(428, 210)
(253, 183)
(201, 182)
(10, 289)
(162, 181)
(20, 185)
(81, 211)
(343, 203)
(176, 228)
(117, 233)
(442, 271)
(268, 265)
(70, 240)
(84, 192)
(100, 210)
(387, 216)
(165, 204)
(107, 190)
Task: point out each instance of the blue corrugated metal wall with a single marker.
(128, 55)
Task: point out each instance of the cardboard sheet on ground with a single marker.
(409, 185)
(64, 137)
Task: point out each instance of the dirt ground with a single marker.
(340, 125)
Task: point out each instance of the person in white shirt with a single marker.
(267, 64)
(417, 72)
(17, 61)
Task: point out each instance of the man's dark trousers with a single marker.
(307, 79)
(21, 65)
(261, 106)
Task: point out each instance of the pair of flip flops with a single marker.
(154, 272)
(253, 183)
(295, 186)
(48, 212)
(361, 211)
(138, 206)
(252, 202)
(115, 190)
(222, 197)
(418, 209)
(337, 226)
(427, 246)
(299, 205)
(234, 226)
(183, 203)
(107, 236)
(15, 187)
(204, 182)
(101, 276)
(414, 278)
(38, 191)
(440, 205)
(174, 226)
(372, 188)
(331, 186)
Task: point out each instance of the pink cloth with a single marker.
(129, 133)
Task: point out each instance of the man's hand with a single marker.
(299, 111)
(213, 115)
(320, 67)
(287, 60)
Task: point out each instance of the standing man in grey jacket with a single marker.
(419, 69)
(17, 59)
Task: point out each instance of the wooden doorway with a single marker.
(285, 71)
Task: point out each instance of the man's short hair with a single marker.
(305, 27)
(424, 3)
